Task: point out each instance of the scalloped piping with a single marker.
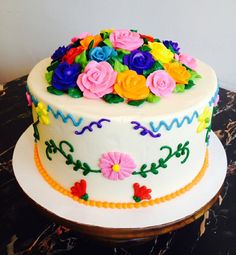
(126, 205)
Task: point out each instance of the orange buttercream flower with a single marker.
(178, 72)
(86, 41)
(130, 85)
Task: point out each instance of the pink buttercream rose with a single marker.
(160, 83)
(187, 60)
(97, 79)
(126, 39)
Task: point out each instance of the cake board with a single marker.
(119, 225)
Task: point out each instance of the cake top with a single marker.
(120, 66)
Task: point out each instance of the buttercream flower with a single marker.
(139, 61)
(72, 53)
(28, 98)
(187, 60)
(42, 113)
(59, 53)
(65, 75)
(130, 85)
(148, 37)
(116, 165)
(141, 192)
(97, 79)
(160, 83)
(125, 39)
(79, 189)
(216, 101)
(102, 53)
(160, 52)
(178, 72)
(173, 45)
(88, 39)
(204, 119)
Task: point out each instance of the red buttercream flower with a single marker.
(141, 192)
(148, 37)
(79, 189)
(72, 54)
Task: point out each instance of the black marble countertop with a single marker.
(24, 230)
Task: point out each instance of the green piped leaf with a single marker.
(125, 52)
(153, 98)
(108, 42)
(194, 75)
(75, 92)
(179, 88)
(82, 59)
(189, 85)
(48, 76)
(113, 99)
(85, 197)
(53, 66)
(136, 199)
(136, 102)
(155, 67)
(157, 40)
(54, 91)
(134, 30)
(90, 46)
(144, 48)
(119, 67)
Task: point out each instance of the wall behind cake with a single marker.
(32, 30)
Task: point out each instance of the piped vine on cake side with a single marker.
(120, 65)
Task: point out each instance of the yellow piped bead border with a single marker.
(129, 205)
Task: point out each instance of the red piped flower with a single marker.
(141, 192)
(79, 190)
(72, 54)
(148, 37)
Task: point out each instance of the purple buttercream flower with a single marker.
(174, 45)
(139, 61)
(59, 53)
(65, 76)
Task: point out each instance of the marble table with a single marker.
(25, 230)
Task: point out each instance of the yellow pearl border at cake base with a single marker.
(117, 205)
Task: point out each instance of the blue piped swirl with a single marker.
(213, 99)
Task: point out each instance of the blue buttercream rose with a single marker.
(139, 61)
(59, 53)
(173, 45)
(102, 53)
(65, 76)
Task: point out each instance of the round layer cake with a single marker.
(122, 120)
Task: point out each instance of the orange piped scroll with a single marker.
(125, 205)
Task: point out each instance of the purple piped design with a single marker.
(90, 126)
(144, 131)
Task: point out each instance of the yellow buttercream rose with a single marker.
(160, 52)
(130, 85)
(178, 72)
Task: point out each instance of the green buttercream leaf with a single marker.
(75, 92)
(53, 66)
(108, 42)
(119, 67)
(54, 91)
(82, 59)
(171, 49)
(77, 43)
(156, 40)
(179, 88)
(85, 197)
(125, 52)
(194, 75)
(153, 98)
(189, 85)
(136, 102)
(134, 30)
(136, 199)
(90, 46)
(144, 48)
(145, 40)
(104, 35)
(113, 99)
(48, 76)
(156, 66)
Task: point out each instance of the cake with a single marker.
(121, 119)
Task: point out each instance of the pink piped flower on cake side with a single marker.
(187, 60)
(116, 165)
(28, 98)
(97, 79)
(126, 39)
(160, 83)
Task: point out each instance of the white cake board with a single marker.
(166, 213)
